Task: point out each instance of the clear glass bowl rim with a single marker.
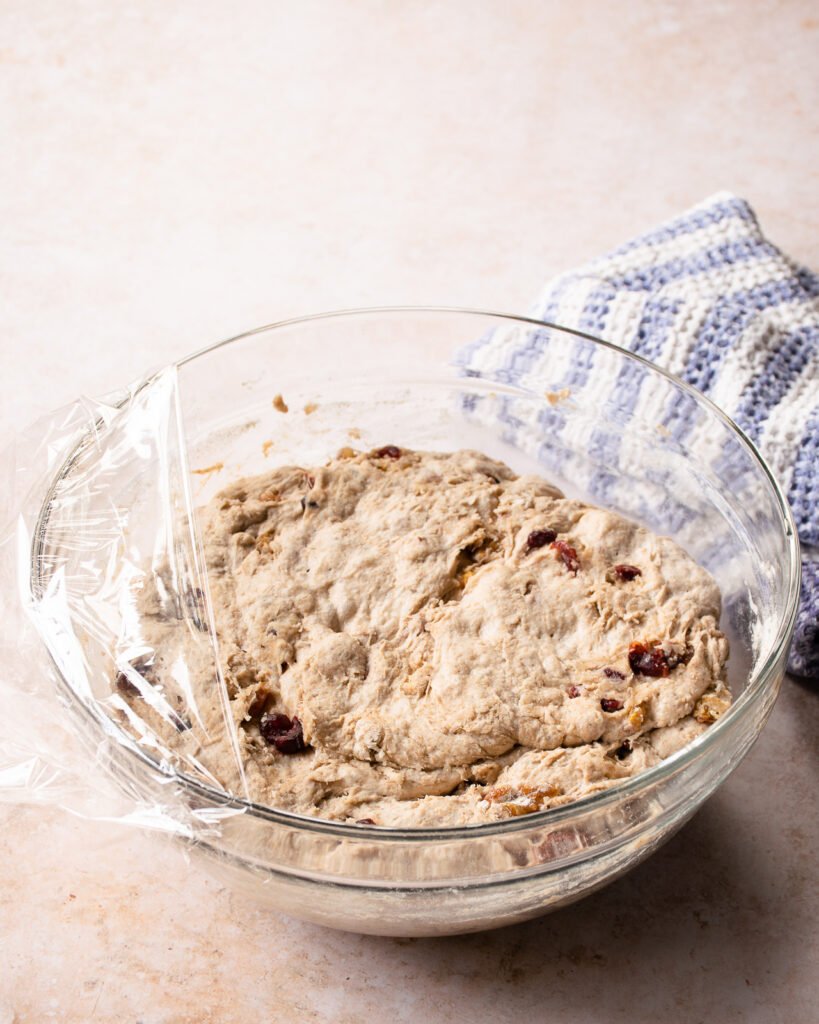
(762, 679)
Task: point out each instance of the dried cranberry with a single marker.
(622, 752)
(180, 723)
(627, 572)
(612, 673)
(647, 661)
(292, 741)
(195, 605)
(285, 734)
(610, 704)
(365, 821)
(567, 555)
(539, 539)
(124, 684)
(274, 725)
(389, 451)
(573, 691)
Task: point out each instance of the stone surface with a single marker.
(174, 173)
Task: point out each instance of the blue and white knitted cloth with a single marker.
(707, 297)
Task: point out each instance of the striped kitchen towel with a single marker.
(707, 297)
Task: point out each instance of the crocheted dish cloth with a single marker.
(707, 297)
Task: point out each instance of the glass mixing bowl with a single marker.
(603, 424)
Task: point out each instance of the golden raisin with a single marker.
(709, 708)
(523, 799)
(637, 717)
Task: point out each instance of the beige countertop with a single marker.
(172, 173)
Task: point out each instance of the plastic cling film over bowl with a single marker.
(104, 520)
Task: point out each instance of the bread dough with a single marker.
(453, 638)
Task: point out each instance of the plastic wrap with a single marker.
(97, 510)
